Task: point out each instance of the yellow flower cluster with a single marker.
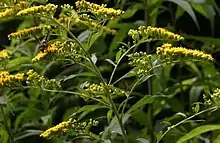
(92, 24)
(168, 51)
(53, 48)
(99, 10)
(58, 129)
(32, 75)
(6, 78)
(12, 11)
(4, 54)
(29, 32)
(41, 10)
(150, 32)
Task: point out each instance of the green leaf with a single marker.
(187, 7)
(3, 136)
(28, 133)
(145, 100)
(118, 55)
(210, 40)
(179, 12)
(88, 108)
(111, 62)
(197, 131)
(142, 140)
(86, 74)
(132, 10)
(120, 35)
(109, 115)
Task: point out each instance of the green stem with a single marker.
(185, 120)
(114, 70)
(82, 47)
(11, 139)
(100, 76)
(119, 119)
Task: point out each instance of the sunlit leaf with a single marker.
(197, 131)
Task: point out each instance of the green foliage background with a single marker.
(31, 111)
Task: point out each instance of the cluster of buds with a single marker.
(98, 10)
(100, 90)
(141, 61)
(6, 79)
(70, 50)
(168, 52)
(73, 127)
(30, 32)
(153, 33)
(13, 10)
(35, 79)
(42, 10)
(213, 99)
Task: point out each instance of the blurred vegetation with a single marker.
(180, 87)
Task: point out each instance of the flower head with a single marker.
(4, 54)
(167, 51)
(29, 32)
(58, 129)
(98, 10)
(6, 79)
(42, 10)
(150, 32)
(9, 12)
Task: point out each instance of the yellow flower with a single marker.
(60, 128)
(13, 10)
(29, 32)
(41, 10)
(150, 32)
(39, 56)
(4, 54)
(7, 79)
(99, 10)
(48, 50)
(168, 51)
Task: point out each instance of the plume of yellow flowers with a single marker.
(41, 10)
(167, 51)
(9, 12)
(29, 32)
(4, 54)
(52, 48)
(61, 128)
(150, 32)
(98, 10)
(6, 79)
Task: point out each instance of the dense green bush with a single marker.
(89, 73)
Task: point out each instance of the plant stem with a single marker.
(149, 81)
(114, 70)
(119, 119)
(11, 139)
(82, 47)
(100, 76)
(183, 121)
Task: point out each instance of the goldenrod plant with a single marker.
(55, 32)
